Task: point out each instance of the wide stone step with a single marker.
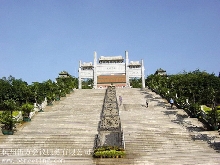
(64, 133)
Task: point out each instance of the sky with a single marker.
(41, 38)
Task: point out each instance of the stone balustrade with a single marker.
(37, 108)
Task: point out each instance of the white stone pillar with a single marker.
(142, 74)
(127, 69)
(79, 79)
(95, 71)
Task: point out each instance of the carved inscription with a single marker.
(111, 79)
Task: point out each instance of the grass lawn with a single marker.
(208, 109)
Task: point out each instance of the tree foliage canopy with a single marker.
(21, 93)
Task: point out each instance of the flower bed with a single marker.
(109, 152)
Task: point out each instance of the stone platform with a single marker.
(64, 133)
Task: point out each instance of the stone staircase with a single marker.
(153, 137)
(64, 133)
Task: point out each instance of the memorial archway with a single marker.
(111, 70)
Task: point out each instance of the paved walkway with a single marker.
(64, 133)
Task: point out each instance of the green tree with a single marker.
(6, 118)
(136, 83)
(87, 84)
